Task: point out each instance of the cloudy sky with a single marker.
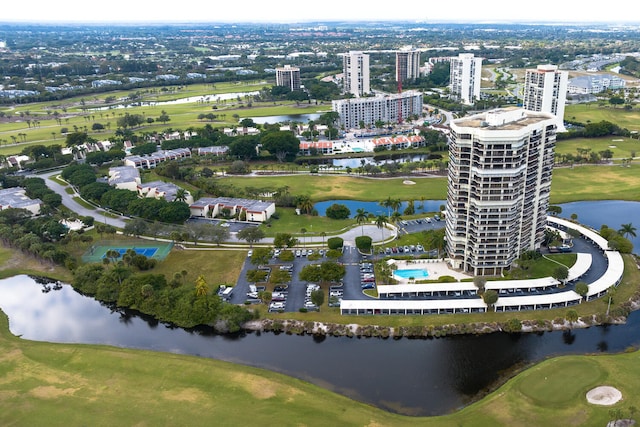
(303, 11)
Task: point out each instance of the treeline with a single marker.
(176, 301)
(592, 130)
(124, 201)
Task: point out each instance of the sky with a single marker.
(129, 11)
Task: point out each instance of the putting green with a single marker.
(561, 381)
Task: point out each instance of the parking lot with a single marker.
(233, 225)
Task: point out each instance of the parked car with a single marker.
(420, 248)
(250, 253)
(367, 285)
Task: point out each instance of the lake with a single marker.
(285, 118)
(375, 208)
(408, 376)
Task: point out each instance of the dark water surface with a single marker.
(409, 376)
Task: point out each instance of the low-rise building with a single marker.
(254, 210)
(150, 161)
(15, 197)
(595, 84)
(124, 177)
(161, 189)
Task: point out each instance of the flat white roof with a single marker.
(441, 304)
(587, 232)
(554, 298)
(427, 287)
(611, 277)
(582, 265)
(543, 282)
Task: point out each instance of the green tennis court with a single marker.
(157, 250)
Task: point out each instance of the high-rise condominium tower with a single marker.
(499, 179)
(545, 90)
(465, 76)
(288, 76)
(356, 73)
(407, 65)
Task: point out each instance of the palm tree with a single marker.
(305, 204)
(202, 288)
(181, 195)
(381, 221)
(627, 230)
(386, 204)
(395, 217)
(361, 217)
(395, 204)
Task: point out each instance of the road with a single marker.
(69, 202)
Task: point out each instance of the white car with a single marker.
(250, 253)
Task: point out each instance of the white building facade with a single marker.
(356, 73)
(499, 180)
(465, 77)
(288, 76)
(385, 108)
(545, 90)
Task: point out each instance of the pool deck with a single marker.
(436, 268)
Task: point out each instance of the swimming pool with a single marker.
(416, 273)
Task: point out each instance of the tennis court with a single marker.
(157, 250)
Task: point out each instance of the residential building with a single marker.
(152, 160)
(499, 180)
(124, 177)
(595, 84)
(316, 147)
(161, 189)
(545, 90)
(288, 76)
(253, 210)
(15, 197)
(407, 65)
(465, 77)
(356, 73)
(385, 108)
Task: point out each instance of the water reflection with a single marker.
(410, 376)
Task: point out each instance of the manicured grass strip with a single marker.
(82, 203)
(561, 381)
(595, 183)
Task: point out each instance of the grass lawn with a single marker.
(621, 147)
(63, 384)
(289, 222)
(595, 183)
(13, 262)
(217, 266)
(327, 187)
(592, 113)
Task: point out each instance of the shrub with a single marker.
(335, 242)
(337, 211)
(363, 243)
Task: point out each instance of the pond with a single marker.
(375, 208)
(408, 376)
(201, 99)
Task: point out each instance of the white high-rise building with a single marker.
(384, 108)
(499, 180)
(356, 73)
(465, 76)
(545, 90)
(407, 65)
(288, 76)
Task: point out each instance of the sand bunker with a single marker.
(408, 182)
(604, 395)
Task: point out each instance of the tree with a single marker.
(560, 273)
(361, 217)
(338, 211)
(181, 195)
(305, 204)
(582, 289)
(219, 234)
(381, 222)
(164, 117)
(281, 144)
(198, 230)
(317, 297)
(261, 256)
(480, 282)
(284, 240)
(490, 297)
(572, 317)
(251, 235)
(627, 230)
(202, 289)
(135, 227)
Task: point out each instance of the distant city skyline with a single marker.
(287, 11)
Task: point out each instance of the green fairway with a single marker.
(595, 183)
(592, 113)
(619, 146)
(327, 187)
(62, 385)
(563, 380)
